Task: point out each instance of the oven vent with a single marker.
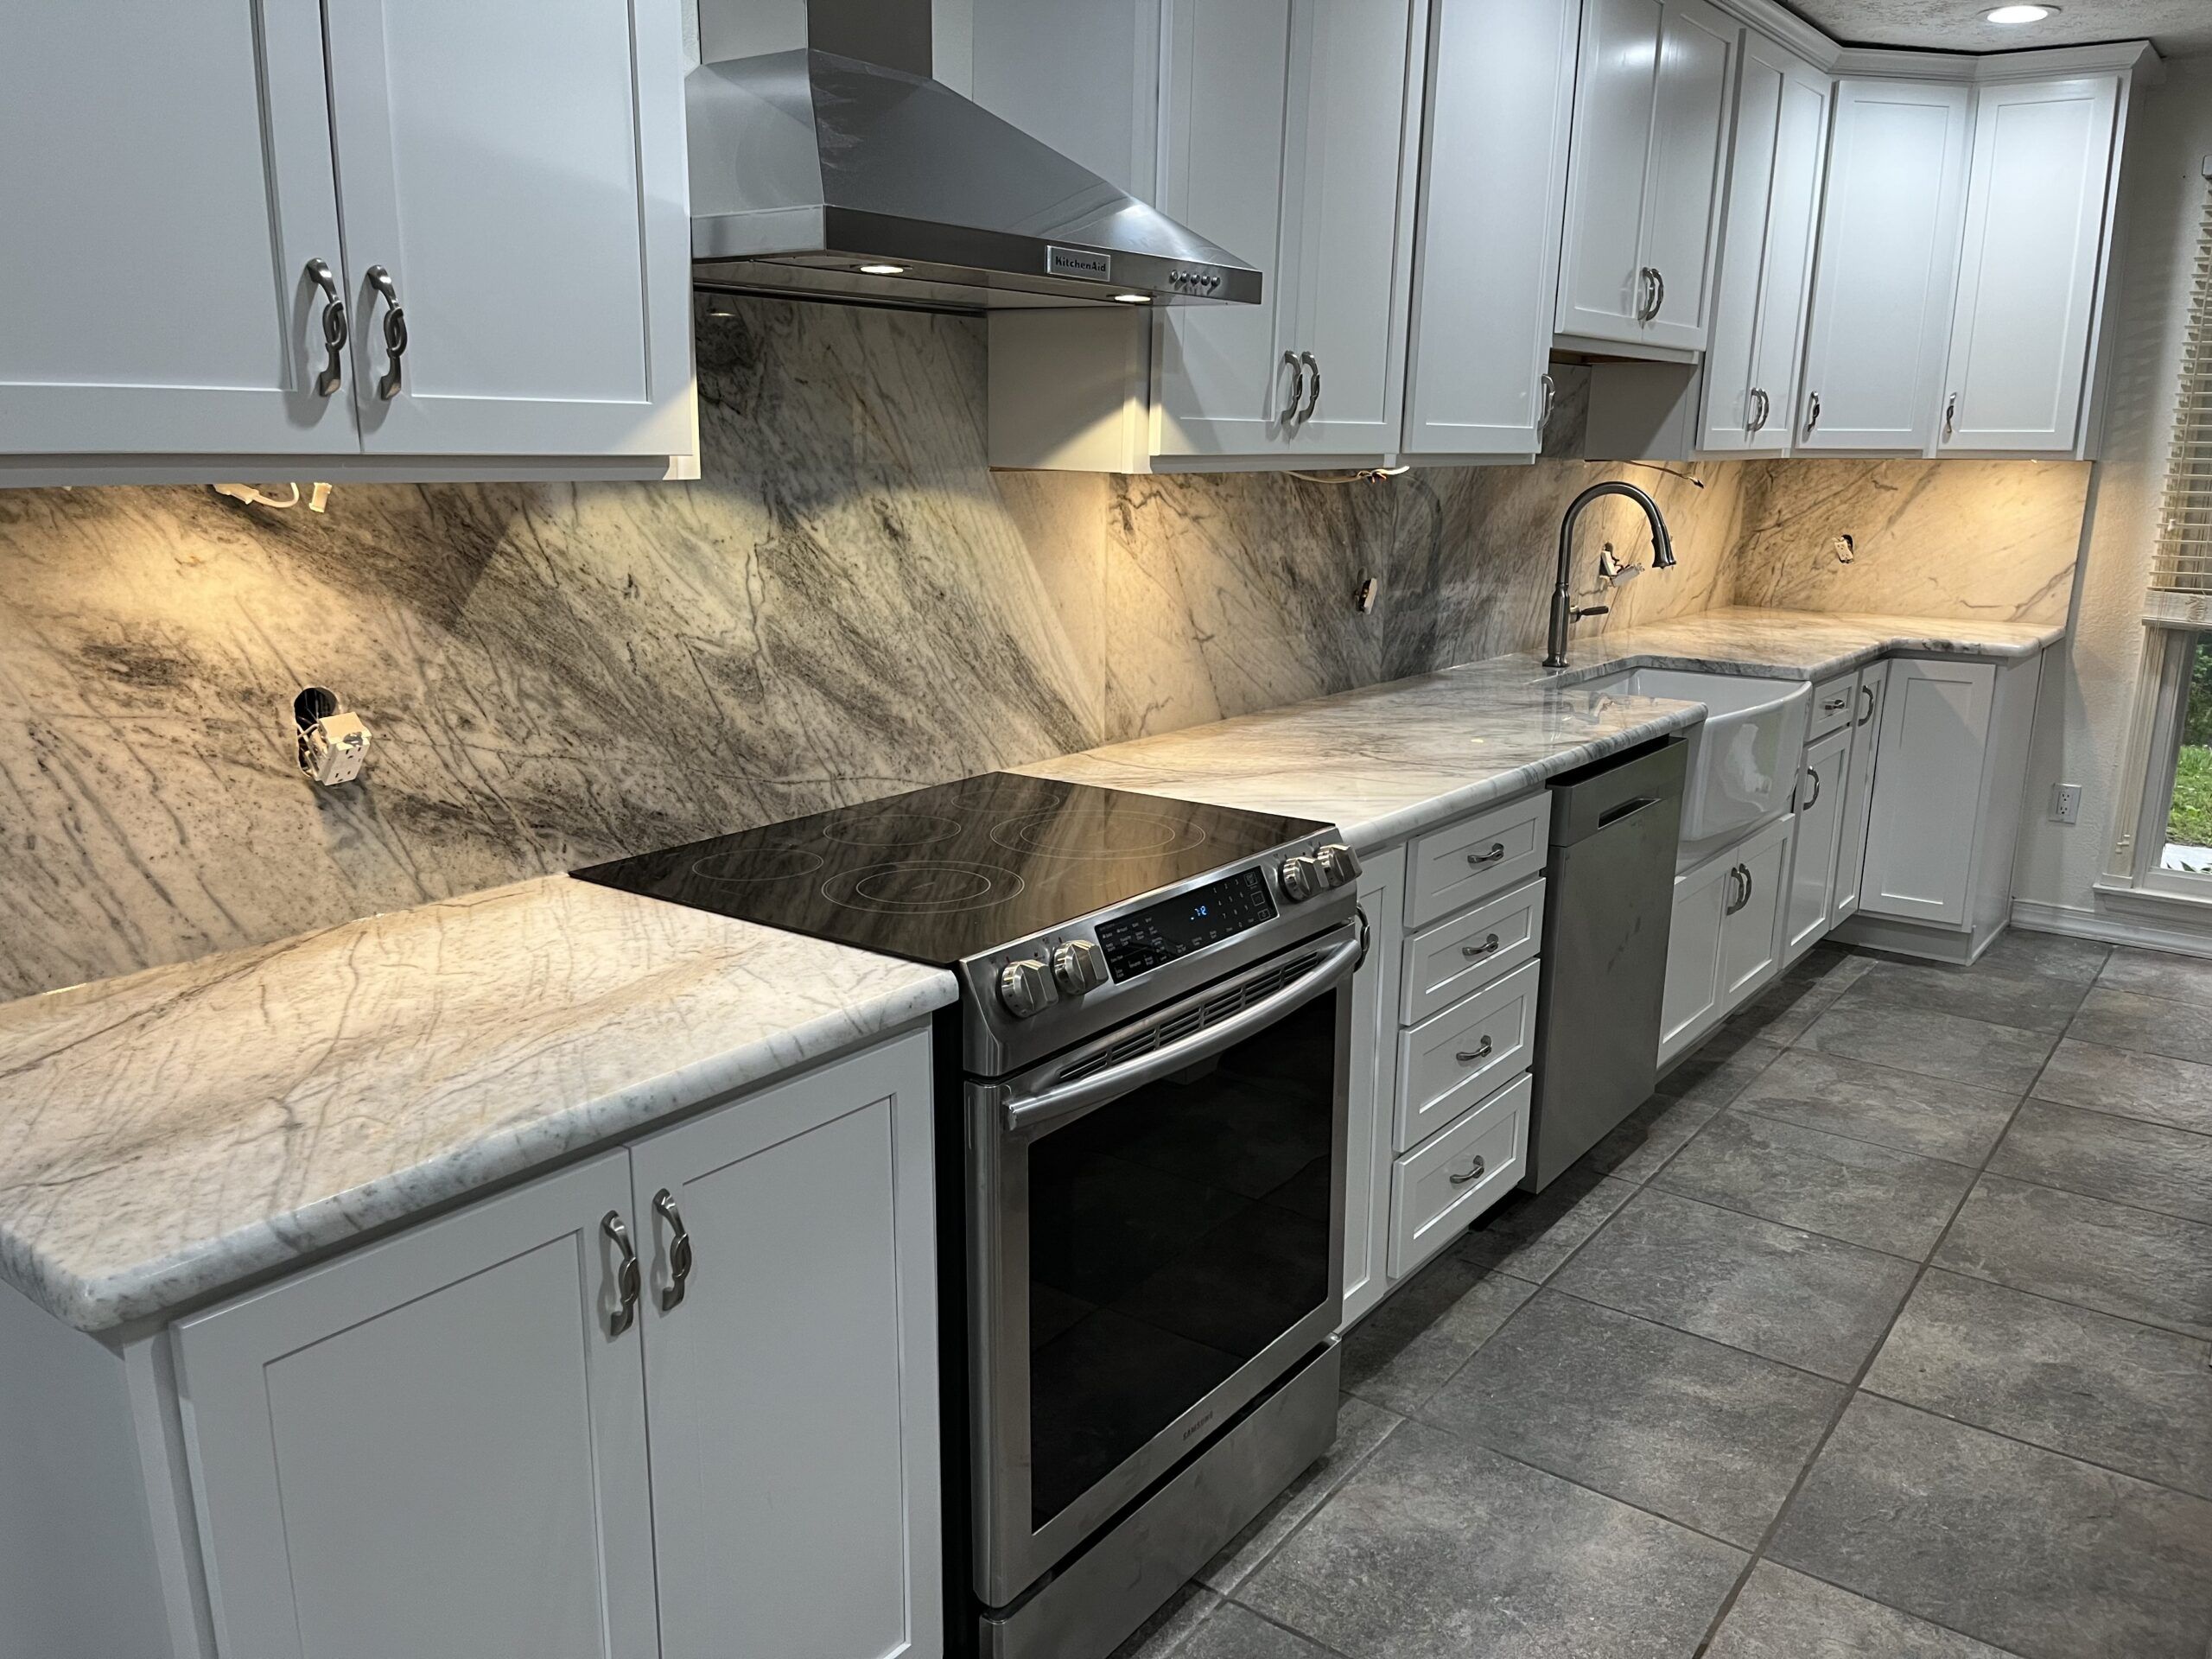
(1212, 1012)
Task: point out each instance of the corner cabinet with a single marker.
(492, 1434)
(208, 221)
(1766, 263)
(1888, 267)
(1643, 192)
(1286, 133)
(1501, 99)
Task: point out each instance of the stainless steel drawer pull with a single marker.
(679, 1249)
(334, 330)
(1489, 947)
(1480, 1052)
(1496, 854)
(629, 1281)
(1834, 703)
(1313, 395)
(1474, 1173)
(1866, 704)
(1290, 415)
(1814, 778)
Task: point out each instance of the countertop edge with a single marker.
(203, 1272)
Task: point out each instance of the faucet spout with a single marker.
(1563, 610)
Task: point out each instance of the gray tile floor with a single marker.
(1884, 1332)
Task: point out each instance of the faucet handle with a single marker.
(1591, 610)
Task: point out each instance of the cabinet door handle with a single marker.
(1290, 415)
(1474, 1173)
(1866, 704)
(1759, 407)
(1313, 393)
(1811, 777)
(395, 331)
(1813, 414)
(1496, 852)
(335, 333)
(679, 1249)
(629, 1281)
(1549, 387)
(1643, 293)
(1658, 293)
(1742, 875)
(1481, 1050)
(1488, 948)
(1950, 417)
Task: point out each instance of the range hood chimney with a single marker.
(833, 166)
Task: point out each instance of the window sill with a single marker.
(2189, 908)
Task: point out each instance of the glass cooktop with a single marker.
(944, 874)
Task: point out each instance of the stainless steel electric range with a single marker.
(1141, 1146)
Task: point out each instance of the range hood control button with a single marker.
(1026, 987)
(1078, 967)
(1338, 864)
(1300, 878)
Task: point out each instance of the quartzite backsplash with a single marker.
(850, 603)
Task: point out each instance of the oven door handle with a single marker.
(1025, 1112)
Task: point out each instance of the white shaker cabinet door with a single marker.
(1601, 292)
(1859, 803)
(2028, 283)
(792, 1383)
(1222, 387)
(1691, 1005)
(1501, 94)
(1920, 844)
(165, 193)
(1351, 168)
(1889, 262)
(515, 170)
(435, 1446)
(1374, 1086)
(1766, 260)
(1689, 132)
(1823, 796)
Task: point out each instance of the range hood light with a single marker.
(1134, 299)
(881, 270)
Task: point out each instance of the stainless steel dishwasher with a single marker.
(1608, 902)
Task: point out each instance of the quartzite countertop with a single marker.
(1388, 761)
(173, 1133)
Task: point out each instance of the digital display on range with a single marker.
(1138, 943)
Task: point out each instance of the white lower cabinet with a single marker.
(1858, 800)
(1823, 791)
(1455, 1175)
(1726, 942)
(1374, 1086)
(459, 1443)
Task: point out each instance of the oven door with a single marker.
(1156, 1235)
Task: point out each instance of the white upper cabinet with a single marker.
(1888, 266)
(187, 204)
(1493, 173)
(1284, 137)
(165, 192)
(516, 170)
(1644, 183)
(1766, 260)
(2038, 209)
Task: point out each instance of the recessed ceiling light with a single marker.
(1134, 299)
(2021, 14)
(883, 270)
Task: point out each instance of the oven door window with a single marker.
(1173, 1234)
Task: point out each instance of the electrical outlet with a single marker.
(2066, 803)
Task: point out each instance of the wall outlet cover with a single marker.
(2066, 803)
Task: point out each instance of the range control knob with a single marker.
(1300, 878)
(1338, 864)
(1026, 987)
(1079, 966)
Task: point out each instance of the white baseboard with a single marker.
(2037, 917)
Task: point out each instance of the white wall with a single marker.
(2082, 727)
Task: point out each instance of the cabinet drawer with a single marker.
(1466, 952)
(1452, 1059)
(1835, 702)
(1440, 1188)
(1466, 862)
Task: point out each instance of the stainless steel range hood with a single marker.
(840, 170)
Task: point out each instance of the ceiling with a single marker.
(2178, 28)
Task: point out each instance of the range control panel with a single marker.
(1148, 938)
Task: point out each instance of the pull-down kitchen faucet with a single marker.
(1563, 610)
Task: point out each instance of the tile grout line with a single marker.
(1856, 1387)
(2034, 1445)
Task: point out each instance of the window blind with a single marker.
(2183, 561)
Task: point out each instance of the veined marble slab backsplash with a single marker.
(848, 604)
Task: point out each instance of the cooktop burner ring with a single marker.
(766, 864)
(922, 887)
(1096, 833)
(868, 829)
